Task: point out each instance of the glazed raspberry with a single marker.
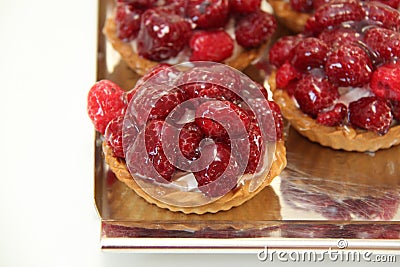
(396, 110)
(219, 93)
(244, 6)
(189, 140)
(128, 21)
(383, 15)
(211, 114)
(211, 46)
(285, 74)
(178, 5)
(208, 13)
(252, 30)
(330, 15)
(392, 3)
(278, 119)
(139, 3)
(211, 180)
(302, 5)
(370, 113)
(113, 136)
(385, 81)
(166, 104)
(333, 117)
(314, 94)
(318, 3)
(162, 34)
(349, 65)
(105, 102)
(340, 36)
(256, 143)
(163, 166)
(309, 53)
(280, 52)
(384, 42)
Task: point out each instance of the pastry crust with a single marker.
(234, 198)
(142, 65)
(341, 137)
(290, 18)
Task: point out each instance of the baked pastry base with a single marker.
(141, 65)
(234, 198)
(290, 18)
(341, 137)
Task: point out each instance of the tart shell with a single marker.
(341, 137)
(234, 198)
(288, 17)
(141, 65)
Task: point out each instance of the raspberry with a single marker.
(208, 13)
(105, 102)
(349, 65)
(370, 113)
(211, 113)
(128, 21)
(244, 6)
(218, 93)
(339, 36)
(383, 15)
(280, 52)
(254, 29)
(286, 74)
(278, 119)
(139, 3)
(256, 144)
(314, 94)
(309, 53)
(211, 46)
(330, 15)
(384, 42)
(318, 3)
(385, 82)
(189, 140)
(179, 6)
(163, 166)
(211, 180)
(162, 34)
(333, 117)
(396, 110)
(302, 5)
(395, 4)
(113, 136)
(166, 104)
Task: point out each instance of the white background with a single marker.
(47, 213)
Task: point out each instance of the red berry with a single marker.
(396, 110)
(105, 102)
(128, 21)
(383, 15)
(330, 15)
(333, 117)
(314, 94)
(139, 3)
(244, 6)
(163, 166)
(189, 140)
(302, 5)
(162, 34)
(395, 4)
(340, 36)
(210, 116)
(256, 144)
(280, 52)
(384, 42)
(220, 176)
(370, 113)
(278, 119)
(167, 68)
(113, 136)
(252, 30)
(285, 74)
(385, 81)
(309, 53)
(211, 46)
(208, 13)
(166, 103)
(219, 93)
(349, 65)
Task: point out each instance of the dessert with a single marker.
(337, 83)
(294, 13)
(146, 33)
(195, 137)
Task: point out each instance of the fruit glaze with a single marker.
(195, 137)
(339, 80)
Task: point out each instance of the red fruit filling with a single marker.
(211, 45)
(244, 6)
(208, 13)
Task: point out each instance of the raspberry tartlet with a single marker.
(294, 13)
(338, 82)
(149, 32)
(195, 137)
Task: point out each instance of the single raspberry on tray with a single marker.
(252, 30)
(211, 46)
(208, 13)
(106, 101)
(163, 34)
(371, 113)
